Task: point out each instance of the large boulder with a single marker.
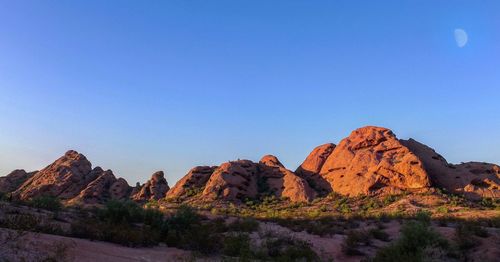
(153, 189)
(65, 178)
(473, 179)
(372, 160)
(311, 167)
(13, 180)
(102, 189)
(233, 181)
(282, 182)
(192, 183)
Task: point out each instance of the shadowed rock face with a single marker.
(105, 187)
(311, 167)
(372, 160)
(192, 183)
(473, 179)
(283, 182)
(13, 180)
(65, 178)
(153, 189)
(72, 178)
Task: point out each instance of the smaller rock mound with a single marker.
(153, 189)
(13, 180)
(233, 181)
(282, 182)
(102, 189)
(192, 183)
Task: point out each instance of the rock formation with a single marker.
(65, 178)
(155, 188)
(13, 180)
(233, 181)
(284, 183)
(192, 183)
(72, 179)
(372, 160)
(105, 187)
(311, 167)
(473, 179)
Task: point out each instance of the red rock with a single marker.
(372, 160)
(13, 180)
(311, 167)
(282, 182)
(233, 181)
(65, 178)
(103, 189)
(193, 182)
(473, 179)
(155, 188)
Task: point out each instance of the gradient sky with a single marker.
(140, 86)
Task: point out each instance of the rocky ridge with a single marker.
(370, 161)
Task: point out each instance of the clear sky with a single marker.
(140, 86)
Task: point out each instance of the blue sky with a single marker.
(140, 86)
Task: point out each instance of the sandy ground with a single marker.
(37, 247)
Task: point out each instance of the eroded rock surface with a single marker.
(311, 167)
(372, 160)
(153, 189)
(13, 180)
(192, 183)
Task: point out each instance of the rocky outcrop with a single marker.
(311, 167)
(473, 179)
(72, 179)
(13, 180)
(282, 182)
(372, 160)
(65, 178)
(102, 189)
(244, 179)
(153, 189)
(192, 183)
(233, 181)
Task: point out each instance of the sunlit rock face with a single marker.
(372, 160)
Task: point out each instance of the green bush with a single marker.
(353, 240)
(237, 245)
(46, 202)
(417, 238)
(244, 225)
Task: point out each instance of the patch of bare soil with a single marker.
(27, 246)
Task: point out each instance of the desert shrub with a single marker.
(286, 249)
(116, 212)
(25, 222)
(442, 210)
(237, 245)
(417, 238)
(46, 202)
(379, 234)
(244, 225)
(423, 217)
(487, 202)
(353, 240)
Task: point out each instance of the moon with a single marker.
(461, 37)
